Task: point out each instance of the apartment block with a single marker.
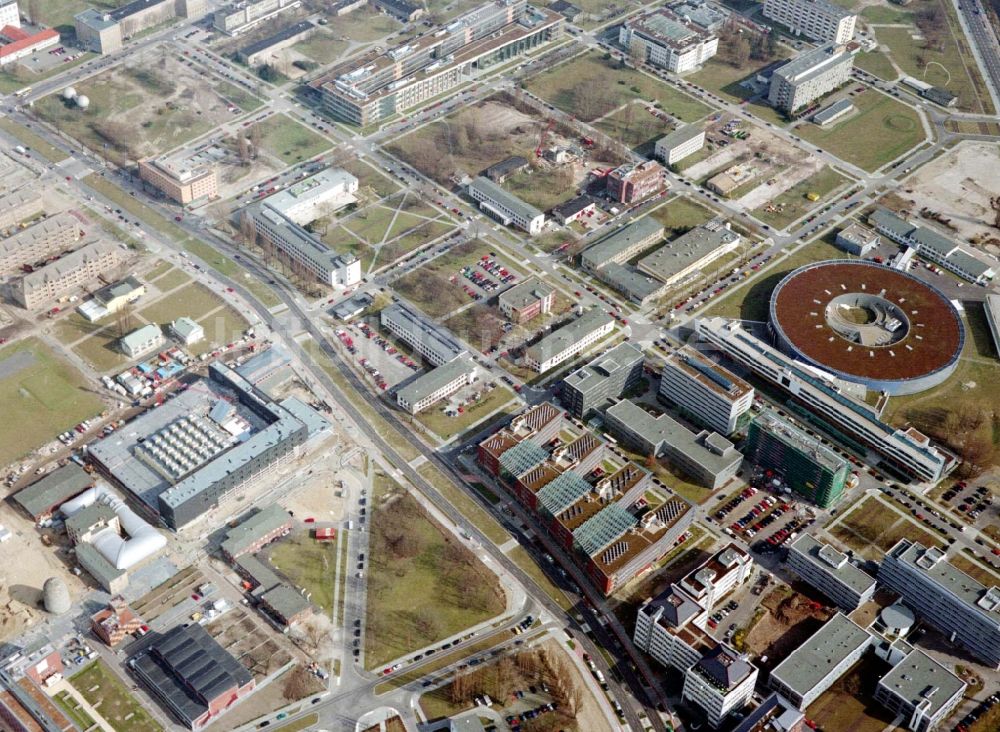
(706, 392)
(178, 182)
(505, 207)
(19, 206)
(721, 682)
(526, 300)
(36, 243)
(439, 383)
(633, 182)
(570, 340)
(664, 39)
(943, 596)
(809, 76)
(818, 20)
(430, 340)
(680, 143)
(831, 572)
(63, 276)
(606, 377)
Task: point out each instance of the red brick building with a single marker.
(115, 621)
(630, 182)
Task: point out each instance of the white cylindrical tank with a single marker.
(69, 93)
(55, 596)
(83, 101)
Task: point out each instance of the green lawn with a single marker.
(634, 126)
(871, 528)
(103, 690)
(240, 97)
(289, 141)
(447, 427)
(308, 564)
(172, 279)
(469, 508)
(543, 188)
(681, 214)
(381, 184)
(195, 301)
(724, 79)
(299, 724)
(880, 131)
(877, 63)
(422, 585)
(42, 398)
(159, 268)
(72, 709)
(321, 47)
(589, 87)
(793, 204)
(363, 25)
(33, 142)
(415, 238)
(884, 15)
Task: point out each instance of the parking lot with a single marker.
(384, 362)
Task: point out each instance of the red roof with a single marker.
(21, 40)
(328, 533)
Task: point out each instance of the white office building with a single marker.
(818, 20)
(921, 690)
(679, 144)
(721, 682)
(505, 207)
(317, 196)
(430, 388)
(708, 393)
(430, 340)
(663, 39)
(809, 76)
(830, 572)
(570, 340)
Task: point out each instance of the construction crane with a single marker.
(543, 137)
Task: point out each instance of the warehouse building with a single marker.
(818, 20)
(36, 243)
(633, 182)
(809, 76)
(691, 252)
(803, 463)
(254, 533)
(505, 207)
(707, 457)
(499, 172)
(665, 40)
(831, 572)
(679, 144)
(720, 683)
(66, 275)
(526, 300)
(945, 597)
(194, 677)
(239, 17)
(568, 341)
(706, 393)
(430, 340)
(439, 383)
(41, 499)
(608, 376)
(832, 112)
(179, 182)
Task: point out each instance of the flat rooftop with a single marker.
(792, 436)
(918, 678)
(812, 63)
(620, 240)
(688, 249)
(700, 368)
(828, 559)
(668, 29)
(809, 664)
(569, 335)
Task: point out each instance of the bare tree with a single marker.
(255, 139)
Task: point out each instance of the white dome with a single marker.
(55, 596)
(69, 93)
(83, 101)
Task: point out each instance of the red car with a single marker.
(309, 520)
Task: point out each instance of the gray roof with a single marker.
(569, 335)
(857, 234)
(69, 264)
(919, 677)
(723, 667)
(829, 560)
(262, 523)
(121, 288)
(304, 243)
(809, 664)
(285, 601)
(833, 110)
(491, 190)
(313, 420)
(680, 136)
(827, 8)
(687, 249)
(611, 246)
(89, 516)
(573, 206)
(507, 166)
(264, 364)
(93, 18)
(634, 284)
(678, 607)
(139, 336)
(622, 356)
(930, 239)
(435, 379)
(886, 219)
(812, 63)
(418, 328)
(782, 429)
(58, 486)
(97, 565)
(961, 259)
(525, 293)
(283, 35)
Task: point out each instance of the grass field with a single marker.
(681, 214)
(41, 398)
(420, 235)
(172, 280)
(447, 427)
(880, 131)
(724, 79)
(468, 507)
(590, 87)
(33, 142)
(871, 528)
(422, 585)
(885, 15)
(793, 203)
(634, 126)
(364, 25)
(289, 141)
(543, 188)
(299, 724)
(877, 63)
(72, 709)
(308, 564)
(102, 689)
(322, 47)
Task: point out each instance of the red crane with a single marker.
(545, 133)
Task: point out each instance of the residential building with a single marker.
(679, 144)
(663, 39)
(381, 83)
(255, 532)
(36, 243)
(633, 182)
(18, 44)
(857, 240)
(568, 341)
(945, 597)
(802, 463)
(499, 172)
(720, 683)
(74, 271)
(818, 20)
(187, 331)
(115, 622)
(815, 666)
(173, 670)
(932, 246)
(142, 340)
(19, 206)
(526, 300)
(832, 112)
(691, 252)
(706, 392)
(266, 49)
(437, 384)
(45, 495)
(239, 17)
(809, 76)
(622, 244)
(707, 457)
(608, 376)
(505, 207)
(404, 10)
(991, 306)
(574, 209)
(9, 13)
(774, 714)
(825, 403)
(831, 572)
(178, 182)
(921, 690)
(430, 340)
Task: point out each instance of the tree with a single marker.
(299, 684)
(35, 12)
(255, 139)
(248, 231)
(123, 319)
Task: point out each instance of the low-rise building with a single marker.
(818, 20)
(254, 533)
(608, 376)
(921, 690)
(633, 182)
(45, 495)
(663, 39)
(857, 240)
(142, 340)
(622, 244)
(115, 622)
(707, 457)
(706, 392)
(18, 43)
(680, 143)
(991, 307)
(832, 112)
(809, 76)
(74, 271)
(404, 10)
(774, 714)
(574, 209)
(505, 207)
(499, 172)
(430, 340)
(266, 49)
(437, 384)
(831, 572)
(187, 331)
(568, 341)
(691, 252)
(177, 181)
(526, 300)
(721, 682)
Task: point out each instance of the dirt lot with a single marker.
(789, 618)
(959, 185)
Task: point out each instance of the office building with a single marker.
(945, 597)
(721, 682)
(663, 39)
(707, 457)
(706, 392)
(505, 207)
(9, 13)
(435, 343)
(568, 341)
(240, 17)
(815, 666)
(193, 676)
(831, 572)
(142, 340)
(538, 424)
(526, 300)
(857, 240)
(36, 243)
(802, 463)
(177, 181)
(379, 84)
(689, 253)
(991, 306)
(680, 143)
(818, 20)
(921, 690)
(255, 532)
(63, 276)
(267, 49)
(826, 403)
(774, 714)
(932, 246)
(721, 573)
(104, 31)
(439, 383)
(608, 376)
(316, 197)
(622, 244)
(633, 182)
(809, 76)
(18, 44)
